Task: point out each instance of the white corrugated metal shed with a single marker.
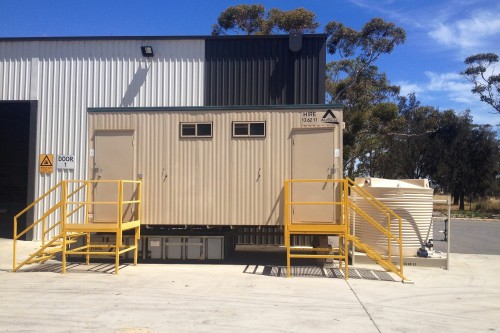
(67, 77)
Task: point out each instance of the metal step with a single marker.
(76, 234)
(376, 257)
(51, 250)
(40, 259)
(59, 243)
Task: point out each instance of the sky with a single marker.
(440, 34)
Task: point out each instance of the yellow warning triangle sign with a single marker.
(46, 161)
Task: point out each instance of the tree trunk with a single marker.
(455, 198)
(462, 201)
(350, 170)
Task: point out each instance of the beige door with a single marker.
(313, 158)
(114, 160)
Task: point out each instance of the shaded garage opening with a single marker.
(17, 141)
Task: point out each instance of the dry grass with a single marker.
(486, 208)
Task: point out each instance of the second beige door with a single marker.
(313, 158)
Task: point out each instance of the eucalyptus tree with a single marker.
(480, 72)
(466, 157)
(254, 20)
(404, 147)
(354, 80)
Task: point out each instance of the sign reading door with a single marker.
(113, 160)
(313, 158)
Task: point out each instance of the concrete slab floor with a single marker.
(245, 298)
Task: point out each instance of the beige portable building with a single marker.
(215, 166)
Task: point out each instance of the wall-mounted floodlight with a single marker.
(147, 51)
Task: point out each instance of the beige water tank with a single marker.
(411, 199)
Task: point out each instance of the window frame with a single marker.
(196, 130)
(249, 129)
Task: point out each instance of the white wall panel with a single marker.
(67, 77)
(15, 71)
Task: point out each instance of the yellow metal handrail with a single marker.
(66, 211)
(289, 203)
(119, 200)
(385, 210)
(16, 236)
(315, 227)
(346, 205)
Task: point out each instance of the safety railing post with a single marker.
(120, 203)
(14, 240)
(64, 191)
(389, 239)
(286, 222)
(448, 234)
(119, 229)
(44, 230)
(87, 201)
(137, 235)
(86, 212)
(400, 246)
(139, 199)
(347, 227)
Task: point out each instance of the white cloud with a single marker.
(408, 88)
(469, 26)
(450, 83)
(441, 34)
(453, 91)
(479, 30)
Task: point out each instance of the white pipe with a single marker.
(448, 234)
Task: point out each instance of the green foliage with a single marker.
(356, 82)
(248, 18)
(252, 20)
(299, 19)
(376, 37)
(479, 71)
(462, 158)
(404, 149)
(471, 214)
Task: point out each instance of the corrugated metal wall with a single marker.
(67, 77)
(216, 181)
(263, 71)
(15, 71)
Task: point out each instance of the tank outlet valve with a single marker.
(422, 253)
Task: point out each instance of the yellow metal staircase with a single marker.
(375, 256)
(339, 225)
(64, 223)
(49, 250)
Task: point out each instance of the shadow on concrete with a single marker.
(74, 267)
(316, 271)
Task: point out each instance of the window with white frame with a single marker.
(195, 130)
(249, 129)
